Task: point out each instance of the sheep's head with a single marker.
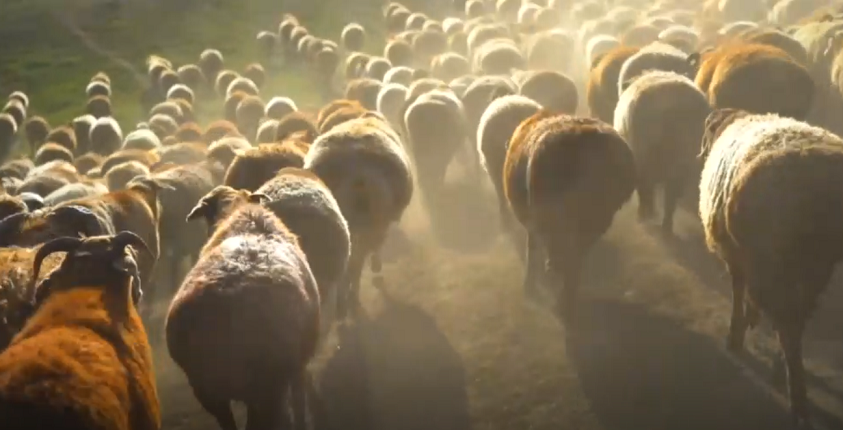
(101, 261)
(220, 202)
(715, 123)
(33, 228)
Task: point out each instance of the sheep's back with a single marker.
(248, 308)
(497, 124)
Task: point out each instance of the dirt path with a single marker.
(451, 345)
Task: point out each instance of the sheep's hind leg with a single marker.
(219, 408)
(299, 388)
(672, 193)
(737, 327)
(570, 269)
(790, 339)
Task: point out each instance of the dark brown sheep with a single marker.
(99, 106)
(145, 157)
(254, 167)
(274, 305)
(83, 359)
(231, 103)
(565, 178)
(367, 170)
(365, 91)
(296, 123)
(602, 87)
(119, 175)
(36, 130)
(82, 130)
(224, 150)
(181, 92)
(182, 153)
(64, 136)
(169, 108)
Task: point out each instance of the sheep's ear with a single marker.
(258, 198)
(200, 211)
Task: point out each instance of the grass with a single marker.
(52, 65)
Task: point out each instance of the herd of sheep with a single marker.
(567, 108)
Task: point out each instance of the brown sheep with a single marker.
(296, 123)
(188, 114)
(770, 200)
(182, 153)
(751, 77)
(355, 65)
(211, 62)
(10, 205)
(602, 89)
(48, 177)
(163, 126)
(367, 170)
(341, 115)
(147, 158)
(86, 162)
(189, 132)
(224, 150)
(83, 359)
(274, 307)
(244, 85)
(565, 178)
(365, 91)
(230, 105)
(99, 106)
(16, 168)
(377, 67)
(20, 97)
(64, 136)
(16, 110)
(662, 116)
(169, 108)
(218, 130)
(254, 167)
(52, 151)
(119, 175)
(553, 90)
(329, 108)
(36, 130)
(106, 136)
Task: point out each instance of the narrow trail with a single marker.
(452, 345)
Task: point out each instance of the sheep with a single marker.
(141, 139)
(106, 136)
(49, 380)
(211, 62)
(449, 66)
(188, 132)
(10, 205)
(602, 88)
(20, 97)
(565, 178)
(661, 115)
(218, 130)
(276, 292)
(248, 115)
(64, 136)
(498, 58)
(390, 100)
(48, 177)
(231, 103)
(223, 80)
(294, 123)
(180, 188)
(254, 167)
(17, 288)
(224, 150)
(17, 110)
(51, 151)
(36, 130)
(436, 128)
(278, 107)
(84, 163)
(267, 42)
(267, 131)
(32, 201)
(188, 115)
(553, 90)
(429, 44)
(119, 175)
(182, 153)
(353, 37)
(18, 169)
(341, 115)
(181, 92)
(480, 93)
(549, 51)
(163, 126)
(368, 172)
(256, 73)
(242, 84)
(496, 127)
(8, 130)
(751, 77)
(98, 88)
(769, 205)
(654, 56)
(377, 67)
(399, 53)
(74, 191)
(598, 46)
(192, 76)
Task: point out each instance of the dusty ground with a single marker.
(451, 344)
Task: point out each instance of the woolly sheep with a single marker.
(230, 105)
(106, 136)
(182, 153)
(19, 168)
(119, 175)
(99, 106)
(296, 123)
(98, 88)
(480, 93)
(399, 53)
(181, 91)
(64, 136)
(50, 152)
(36, 130)
(163, 126)
(399, 75)
(75, 191)
(169, 108)
(770, 199)
(248, 115)
(254, 167)
(48, 177)
(277, 107)
(377, 67)
(17, 110)
(224, 150)
(141, 139)
(546, 174)
(390, 99)
(364, 91)
(8, 130)
(53, 383)
(368, 172)
(82, 131)
(267, 131)
(223, 80)
(84, 163)
(449, 66)
(496, 127)
(188, 132)
(243, 84)
(21, 97)
(553, 90)
(597, 47)
(211, 62)
(654, 56)
(353, 37)
(662, 116)
(218, 130)
(498, 58)
(277, 291)
(602, 88)
(192, 76)
(255, 73)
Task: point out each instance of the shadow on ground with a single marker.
(396, 371)
(641, 371)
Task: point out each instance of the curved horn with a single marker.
(90, 223)
(125, 238)
(62, 244)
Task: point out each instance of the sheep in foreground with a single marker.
(83, 359)
(364, 165)
(770, 201)
(662, 116)
(497, 125)
(245, 322)
(565, 178)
